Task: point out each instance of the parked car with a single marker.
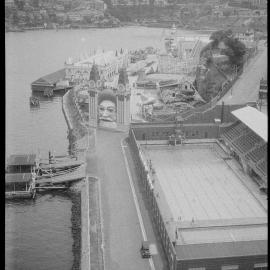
(145, 252)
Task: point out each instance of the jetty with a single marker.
(60, 165)
(65, 179)
(53, 82)
(25, 174)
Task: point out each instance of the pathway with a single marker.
(121, 228)
(246, 87)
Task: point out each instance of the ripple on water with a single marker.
(38, 233)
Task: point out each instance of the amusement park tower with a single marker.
(93, 95)
(123, 100)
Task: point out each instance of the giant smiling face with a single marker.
(107, 111)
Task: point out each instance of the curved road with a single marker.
(246, 87)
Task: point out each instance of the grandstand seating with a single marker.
(257, 153)
(245, 142)
(262, 167)
(235, 131)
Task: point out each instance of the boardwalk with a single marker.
(121, 228)
(246, 87)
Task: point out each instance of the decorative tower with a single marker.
(93, 95)
(123, 100)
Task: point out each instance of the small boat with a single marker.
(52, 173)
(58, 166)
(34, 101)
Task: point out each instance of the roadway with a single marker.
(246, 88)
(124, 225)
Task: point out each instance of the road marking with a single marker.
(136, 201)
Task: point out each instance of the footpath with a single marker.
(246, 88)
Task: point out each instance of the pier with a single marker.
(76, 175)
(53, 82)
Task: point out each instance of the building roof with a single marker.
(221, 250)
(51, 78)
(15, 160)
(18, 177)
(101, 59)
(254, 119)
(201, 187)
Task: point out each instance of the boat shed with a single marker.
(19, 185)
(21, 163)
(49, 81)
(18, 178)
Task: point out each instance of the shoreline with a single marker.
(91, 239)
(76, 224)
(123, 24)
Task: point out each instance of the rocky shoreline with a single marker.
(76, 228)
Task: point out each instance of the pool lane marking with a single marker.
(136, 201)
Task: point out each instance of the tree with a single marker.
(236, 51)
(221, 35)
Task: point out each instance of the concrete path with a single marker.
(159, 258)
(121, 228)
(246, 87)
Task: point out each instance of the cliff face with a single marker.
(211, 72)
(209, 81)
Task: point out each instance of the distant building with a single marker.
(97, 5)
(182, 54)
(161, 3)
(74, 16)
(130, 2)
(258, 3)
(107, 62)
(246, 35)
(61, 15)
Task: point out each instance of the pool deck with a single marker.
(205, 193)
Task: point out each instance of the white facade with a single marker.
(185, 59)
(108, 65)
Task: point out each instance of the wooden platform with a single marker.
(76, 175)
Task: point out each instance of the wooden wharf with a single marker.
(61, 165)
(76, 175)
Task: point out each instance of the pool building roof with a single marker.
(208, 209)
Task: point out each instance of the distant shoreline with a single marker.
(125, 24)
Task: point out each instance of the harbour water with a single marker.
(38, 233)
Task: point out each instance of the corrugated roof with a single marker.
(51, 78)
(14, 160)
(18, 177)
(254, 119)
(221, 250)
